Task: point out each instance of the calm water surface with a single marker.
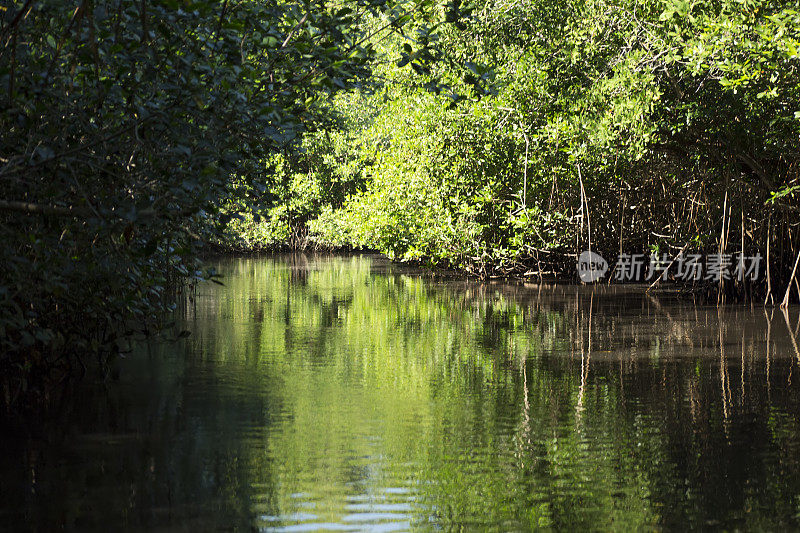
(344, 393)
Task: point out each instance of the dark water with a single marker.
(346, 394)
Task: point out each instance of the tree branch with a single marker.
(40, 209)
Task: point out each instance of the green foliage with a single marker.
(653, 114)
(133, 130)
(318, 173)
(446, 187)
(496, 139)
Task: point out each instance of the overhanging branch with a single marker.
(40, 209)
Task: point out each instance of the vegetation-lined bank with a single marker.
(627, 126)
(496, 138)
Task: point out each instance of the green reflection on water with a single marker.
(340, 393)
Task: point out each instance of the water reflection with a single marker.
(342, 393)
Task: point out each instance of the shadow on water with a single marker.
(345, 393)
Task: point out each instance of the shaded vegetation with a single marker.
(132, 131)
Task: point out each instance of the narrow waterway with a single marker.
(346, 393)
